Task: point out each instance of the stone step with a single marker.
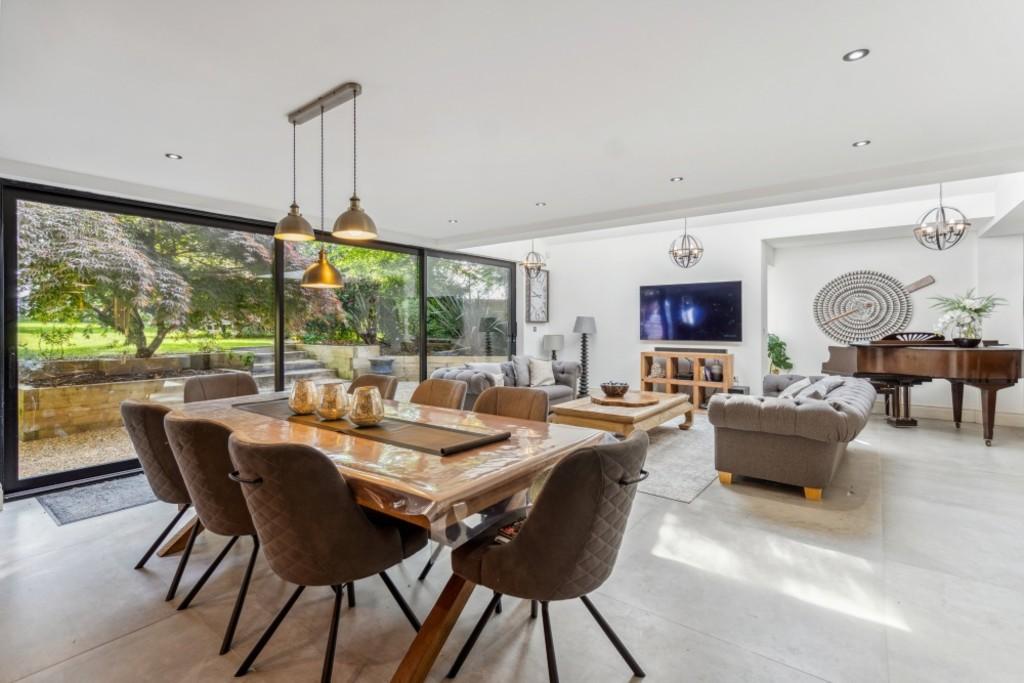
(266, 380)
(262, 368)
(267, 355)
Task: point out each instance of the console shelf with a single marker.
(675, 364)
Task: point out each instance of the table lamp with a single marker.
(553, 343)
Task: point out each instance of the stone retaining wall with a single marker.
(47, 412)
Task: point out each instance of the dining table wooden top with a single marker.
(422, 487)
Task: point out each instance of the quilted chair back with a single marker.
(144, 422)
(441, 393)
(201, 450)
(520, 403)
(387, 385)
(568, 545)
(312, 531)
(221, 385)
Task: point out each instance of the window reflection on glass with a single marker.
(467, 312)
(371, 324)
(114, 306)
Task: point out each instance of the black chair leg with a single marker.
(351, 594)
(637, 671)
(430, 563)
(268, 634)
(160, 539)
(477, 630)
(549, 643)
(182, 562)
(401, 601)
(229, 634)
(533, 609)
(332, 636)
(206, 575)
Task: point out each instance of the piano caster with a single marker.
(988, 442)
(901, 421)
(957, 425)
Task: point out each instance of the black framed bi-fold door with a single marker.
(107, 300)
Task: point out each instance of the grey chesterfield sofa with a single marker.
(796, 437)
(515, 373)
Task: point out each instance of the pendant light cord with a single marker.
(355, 141)
(293, 163)
(321, 168)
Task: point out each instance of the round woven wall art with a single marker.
(862, 305)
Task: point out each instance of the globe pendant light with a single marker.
(532, 263)
(942, 227)
(293, 226)
(354, 224)
(686, 250)
(321, 275)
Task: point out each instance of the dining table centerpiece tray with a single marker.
(392, 430)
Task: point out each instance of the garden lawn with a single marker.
(89, 341)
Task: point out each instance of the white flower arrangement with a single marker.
(964, 314)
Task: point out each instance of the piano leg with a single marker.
(901, 407)
(988, 406)
(958, 401)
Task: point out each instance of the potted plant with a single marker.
(777, 354)
(962, 316)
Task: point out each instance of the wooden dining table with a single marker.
(454, 497)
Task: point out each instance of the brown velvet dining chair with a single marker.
(567, 546)
(520, 403)
(440, 393)
(220, 385)
(313, 531)
(201, 449)
(144, 422)
(387, 385)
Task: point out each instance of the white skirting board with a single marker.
(946, 413)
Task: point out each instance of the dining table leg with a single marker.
(179, 540)
(425, 648)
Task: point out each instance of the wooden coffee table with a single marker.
(624, 420)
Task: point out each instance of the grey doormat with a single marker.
(93, 500)
(681, 462)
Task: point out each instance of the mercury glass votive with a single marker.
(367, 407)
(333, 403)
(303, 397)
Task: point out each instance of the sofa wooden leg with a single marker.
(812, 493)
(725, 478)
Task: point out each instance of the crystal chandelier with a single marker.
(942, 227)
(686, 250)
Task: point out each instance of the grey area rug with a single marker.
(93, 500)
(681, 462)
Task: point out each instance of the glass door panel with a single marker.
(112, 306)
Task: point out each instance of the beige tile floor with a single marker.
(911, 569)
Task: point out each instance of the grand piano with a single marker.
(896, 365)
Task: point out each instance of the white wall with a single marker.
(599, 273)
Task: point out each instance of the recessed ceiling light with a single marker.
(453, 220)
(862, 143)
(541, 204)
(171, 155)
(854, 55)
(676, 179)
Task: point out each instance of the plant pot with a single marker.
(965, 342)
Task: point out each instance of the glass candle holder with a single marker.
(333, 403)
(303, 397)
(367, 407)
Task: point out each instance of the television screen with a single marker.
(702, 311)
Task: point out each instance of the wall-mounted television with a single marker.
(699, 311)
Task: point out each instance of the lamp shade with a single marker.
(552, 342)
(321, 275)
(585, 325)
(294, 227)
(355, 224)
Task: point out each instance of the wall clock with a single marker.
(537, 303)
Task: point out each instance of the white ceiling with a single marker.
(477, 109)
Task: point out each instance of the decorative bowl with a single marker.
(333, 403)
(302, 400)
(614, 389)
(367, 408)
(965, 343)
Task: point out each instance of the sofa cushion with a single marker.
(492, 369)
(521, 370)
(557, 393)
(795, 388)
(541, 374)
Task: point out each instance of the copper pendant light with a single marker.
(322, 275)
(294, 227)
(354, 224)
